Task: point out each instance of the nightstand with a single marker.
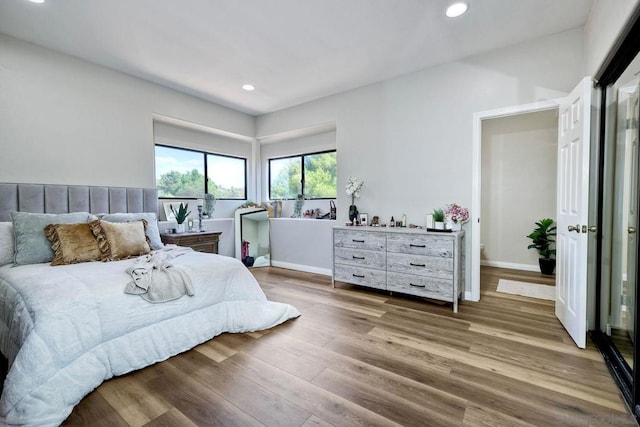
(204, 241)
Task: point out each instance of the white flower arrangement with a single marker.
(353, 188)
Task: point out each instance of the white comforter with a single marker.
(66, 329)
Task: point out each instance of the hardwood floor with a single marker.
(361, 357)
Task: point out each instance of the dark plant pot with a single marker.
(248, 261)
(353, 212)
(547, 265)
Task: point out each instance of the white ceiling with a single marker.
(293, 51)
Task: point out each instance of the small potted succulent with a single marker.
(181, 215)
(438, 219)
(542, 237)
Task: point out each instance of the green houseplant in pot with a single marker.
(438, 219)
(181, 215)
(542, 238)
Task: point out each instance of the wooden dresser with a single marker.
(204, 241)
(404, 260)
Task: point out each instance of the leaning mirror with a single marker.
(253, 241)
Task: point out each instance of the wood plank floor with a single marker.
(361, 357)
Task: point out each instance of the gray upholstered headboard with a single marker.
(46, 198)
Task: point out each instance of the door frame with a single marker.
(476, 176)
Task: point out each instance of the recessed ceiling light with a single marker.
(36, 1)
(248, 87)
(456, 10)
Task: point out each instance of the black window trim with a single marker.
(302, 156)
(206, 170)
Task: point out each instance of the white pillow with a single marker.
(7, 246)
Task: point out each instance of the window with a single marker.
(180, 173)
(313, 175)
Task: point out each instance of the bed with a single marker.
(65, 329)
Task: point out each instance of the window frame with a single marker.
(302, 156)
(206, 170)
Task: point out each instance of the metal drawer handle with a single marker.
(357, 257)
(411, 245)
(359, 276)
(357, 241)
(417, 286)
(417, 265)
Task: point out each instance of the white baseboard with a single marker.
(511, 265)
(300, 267)
(467, 296)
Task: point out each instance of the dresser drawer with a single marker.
(211, 248)
(360, 257)
(430, 287)
(201, 241)
(421, 265)
(421, 245)
(359, 240)
(361, 276)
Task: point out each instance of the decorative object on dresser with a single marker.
(206, 241)
(438, 219)
(364, 218)
(181, 215)
(353, 188)
(409, 261)
(456, 216)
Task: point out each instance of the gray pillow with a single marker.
(31, 245)
(7, 248)
(153, 232)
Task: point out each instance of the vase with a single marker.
(181, 228)
(353, 212)
(456, 226)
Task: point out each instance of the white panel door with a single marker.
(573, 199)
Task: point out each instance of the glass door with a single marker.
(624, 250)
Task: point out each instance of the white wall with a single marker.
(302, 244)
(410, 139)
(519, 169)
(66, 121)
(606, 19)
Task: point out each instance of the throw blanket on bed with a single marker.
(156, 279)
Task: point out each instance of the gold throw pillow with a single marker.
(72, 243)
(121, 240)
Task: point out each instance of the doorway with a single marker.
(518, 186)
(476, 204)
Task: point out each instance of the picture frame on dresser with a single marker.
(168, 214)
(364, 218)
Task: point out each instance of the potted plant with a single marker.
(457, 215)
(438, 219)
(181, 215)
(542, 237)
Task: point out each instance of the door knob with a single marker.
(631, 230)
(575, 228)
(593, 228)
